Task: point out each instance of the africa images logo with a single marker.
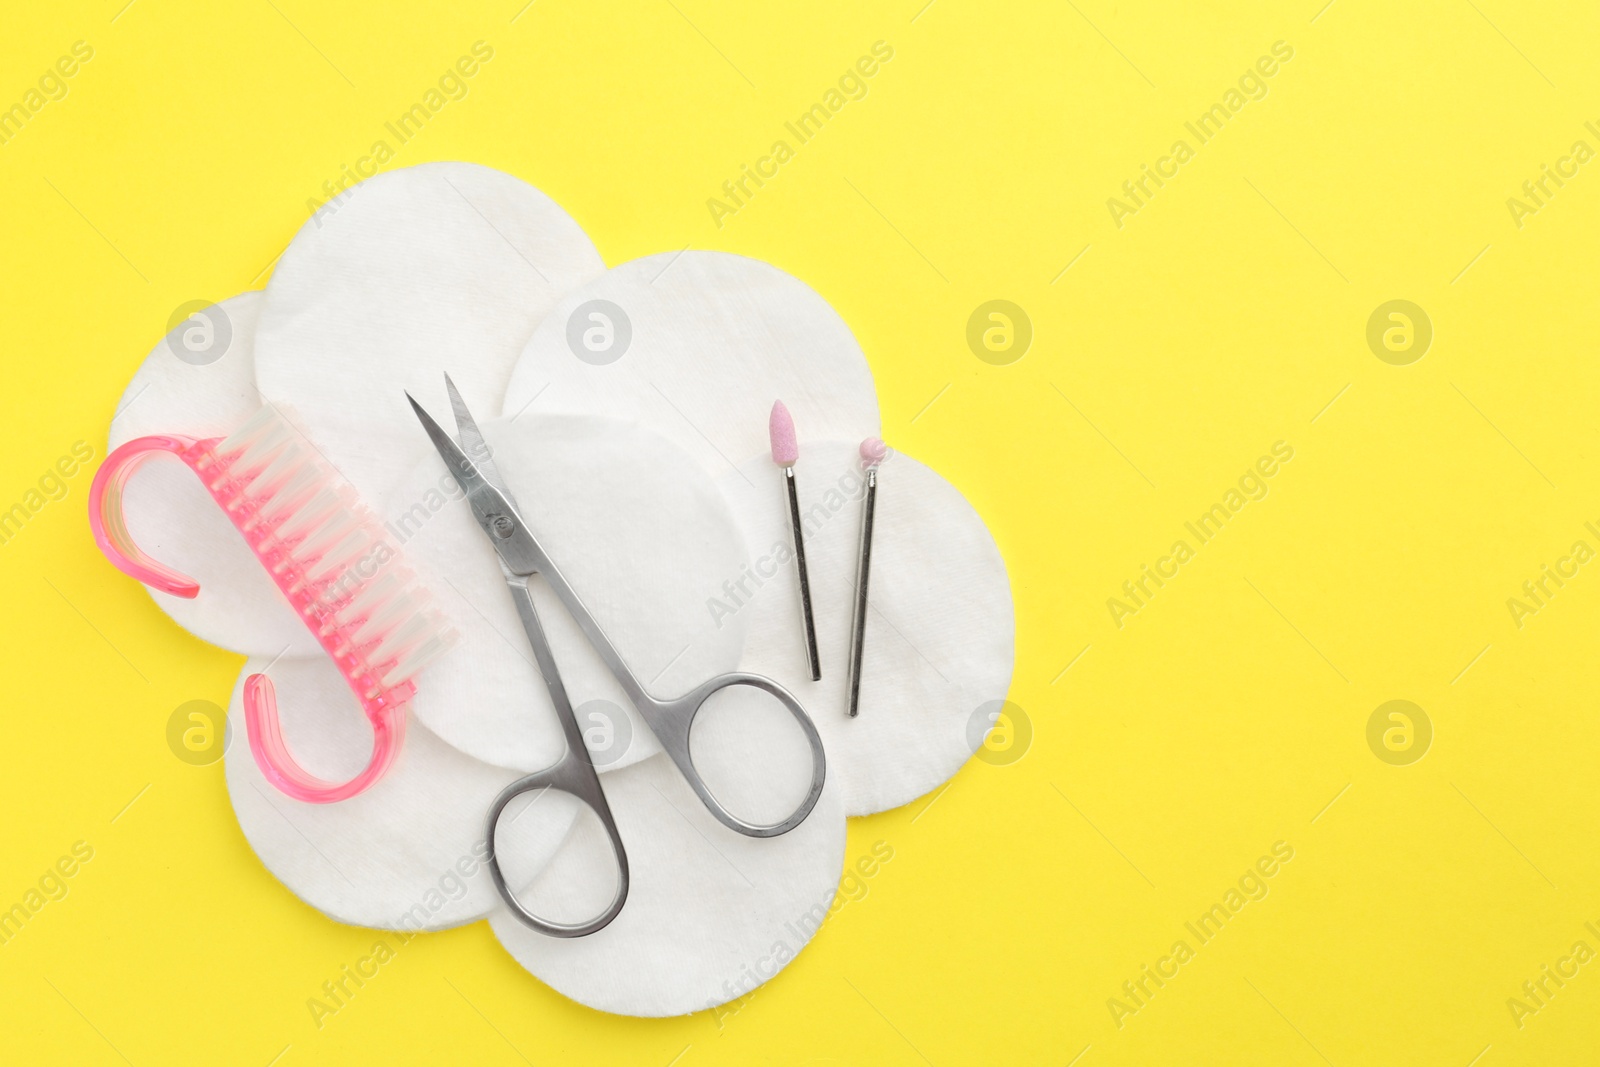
(1137, 192)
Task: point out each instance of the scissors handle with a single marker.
(573, 774)
(672, 720)
(669, 720)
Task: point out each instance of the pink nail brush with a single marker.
(329, 557)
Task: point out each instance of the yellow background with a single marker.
(1223, 317)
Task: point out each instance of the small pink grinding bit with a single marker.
(780, 427)
(873, 452)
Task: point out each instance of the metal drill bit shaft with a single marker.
(858, 629)
(805, 578)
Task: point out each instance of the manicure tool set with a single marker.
(334, 563)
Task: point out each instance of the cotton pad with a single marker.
(940, 630)
(199, 381)
(434, 267)
(639, 530)
(407, 853)
(710, 913)
(697, 346)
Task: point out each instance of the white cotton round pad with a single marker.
(439, 266)
(710, 913)
(940, 635)
(199, 381)
(406, 854)
(638, 529)
(697, 346)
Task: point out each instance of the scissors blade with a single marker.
(472, 442)
(495, 513)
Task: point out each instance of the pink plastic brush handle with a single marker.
(280, 768)
(260, 706)
(105, 513)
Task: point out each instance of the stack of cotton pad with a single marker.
(632, 430)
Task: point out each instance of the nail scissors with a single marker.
(522, 557)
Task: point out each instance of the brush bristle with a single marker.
(327, 552)
(780, 427)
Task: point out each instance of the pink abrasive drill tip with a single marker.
(780, 427)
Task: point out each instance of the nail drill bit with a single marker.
(873, 452)
(785, 451)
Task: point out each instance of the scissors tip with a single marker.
(434, 430)
(463, 416)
